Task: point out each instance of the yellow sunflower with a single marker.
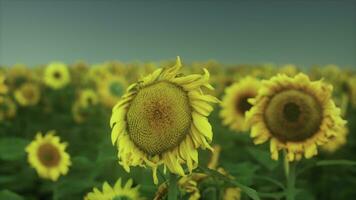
(81, 107)
(7, 108)
(235, 103)
(47, 155)
(162, 119)
(28, 94)
(232, 193)
(119, 191)
(111, 89)
(18, 74)
(352, 91)
(56, 75)
(3, 87)
(88, 97)
(336, 142)
(296, 114)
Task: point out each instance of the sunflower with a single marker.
(88, 97)
(162, 119)
(232, 193)
(17, 75)
(352, 90)
(297, 114)
(336, 142)
(81, 107)
(28, 94)
(235, 103)
(7, 108)
(47, 155)
(3, 87)
(56, 75)
(126, 192)
(111, 89)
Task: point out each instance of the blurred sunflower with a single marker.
(88, 97)
(352, 91)
(126, 192)
(235, 103)
(289, 70)
(296, 114)
(162, 119)
(27, 94)
(232, 193)
(7, 108)
(111, 89)
(17, 75)
(336, 142)
(56, 75)
(81, 108)
(47, 155)
(3, 87)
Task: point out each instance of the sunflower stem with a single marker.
(172, 187)
(289, 169)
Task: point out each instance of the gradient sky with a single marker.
(303, 32)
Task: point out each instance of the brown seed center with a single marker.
(293, 115)
(48, 155)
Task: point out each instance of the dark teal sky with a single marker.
(304, 32)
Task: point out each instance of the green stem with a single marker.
(172, 187)
(289, 169)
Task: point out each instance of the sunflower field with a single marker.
(175, 130)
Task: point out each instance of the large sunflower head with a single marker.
(28, 94)
(235, 103)
(48, 156)
(118, 191)
(162, 119)
(296, 114)
(111, 89)
(56, 75)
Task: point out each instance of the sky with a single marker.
(303, 32)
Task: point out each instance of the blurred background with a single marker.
(231, 31)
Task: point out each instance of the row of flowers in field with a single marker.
(160, 120)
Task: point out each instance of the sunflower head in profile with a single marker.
(7, 108)
(47, 155)
(162, 119)
(118, 191)
(296, 114)
(28, 94)
(56, 75)
(235, 103)
(111, 89)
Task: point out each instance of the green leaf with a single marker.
(249, 191)
(173, 187)
(72, 188)
(244, 172)
(12, 148)
(263, 157)
(8, 195)
(335, 162)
